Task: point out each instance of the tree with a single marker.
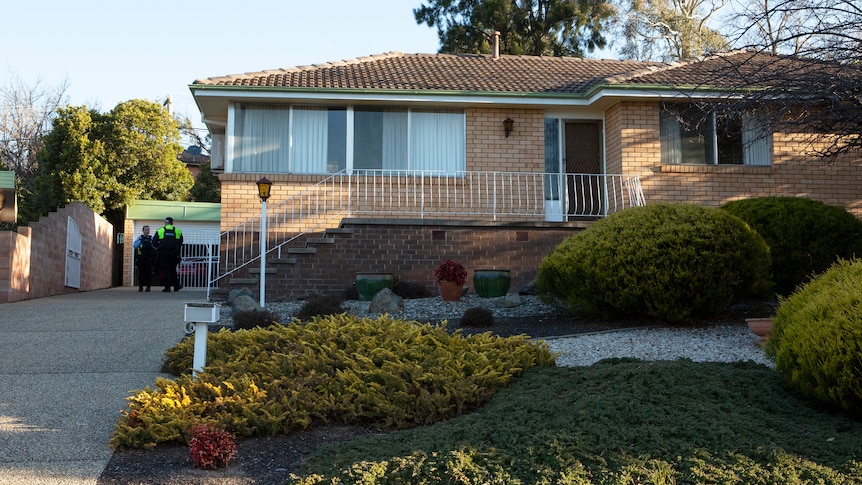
(207, 187)
(537, 27)
(669, 29)
(25, 117)
(108, 160)
(811, 81)
(820, 29)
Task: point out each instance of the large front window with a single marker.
(319, 140)
(690, 136)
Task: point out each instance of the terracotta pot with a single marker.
(762, 327)
(450, 291)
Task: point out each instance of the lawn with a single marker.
(621, 421)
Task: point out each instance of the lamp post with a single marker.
(263, 188)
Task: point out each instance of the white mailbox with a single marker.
(201, 312)
(198, 316)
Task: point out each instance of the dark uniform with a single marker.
(168, 242)
(145, 257)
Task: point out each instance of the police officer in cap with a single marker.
(169, 241)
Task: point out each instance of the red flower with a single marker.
(451, 271)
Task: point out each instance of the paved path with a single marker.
(67, 365)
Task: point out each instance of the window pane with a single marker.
(552, 159)
(686, 136)
(319, 140)
(437, 141)
(728, 132)
(380, 139)
(261, 139)
(756, 140)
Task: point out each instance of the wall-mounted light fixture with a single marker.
(508, 125)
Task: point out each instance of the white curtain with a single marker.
(261, 139)
(395, 140)
(308, 151)
(756, 140)
(437, 141)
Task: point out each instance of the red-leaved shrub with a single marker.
(211, 447)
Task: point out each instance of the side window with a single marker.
(690, 136)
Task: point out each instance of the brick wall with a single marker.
(411, 250)
(489, 150)
(636, 148)
(44, 241)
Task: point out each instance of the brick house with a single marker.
(396, 161)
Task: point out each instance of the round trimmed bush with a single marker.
(816, 338)
(674, 262)
(805, 236)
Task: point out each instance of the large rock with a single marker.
(238, 292)
(245, 303)
(386, 302)
(529, 289)
(509, 301)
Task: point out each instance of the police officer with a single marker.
(168, 242)
(145, 256)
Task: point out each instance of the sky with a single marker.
(114, 50)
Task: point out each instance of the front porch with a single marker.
(410, 221)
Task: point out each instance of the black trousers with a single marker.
(145, 269)
(168, 261)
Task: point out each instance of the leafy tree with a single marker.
(108, 160)
(538, 27)
(207, 187)
(670, 29)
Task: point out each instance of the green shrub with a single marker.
(411, 290)
(673, 262)
(320, 306)
(342, 369)
(477, 317)
(254, 318)
(817, 337)
(805, 236)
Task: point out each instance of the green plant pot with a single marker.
(490, 283)
(368, 284)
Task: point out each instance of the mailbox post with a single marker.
(198, 316)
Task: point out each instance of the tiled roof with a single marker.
(732, 69)
(476, 73)
(443, 72)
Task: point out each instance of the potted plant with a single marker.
(761, 326)
(450, 276)
(368, 284)
(491, 283)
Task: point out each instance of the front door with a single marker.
(583, 163)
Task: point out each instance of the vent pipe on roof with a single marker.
(496, 44)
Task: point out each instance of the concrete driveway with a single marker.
(67, 365)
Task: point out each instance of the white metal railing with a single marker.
(519, 196)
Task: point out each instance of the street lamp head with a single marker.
(263, 188)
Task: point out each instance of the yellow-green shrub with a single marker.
(817, 337)
(340, 368)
